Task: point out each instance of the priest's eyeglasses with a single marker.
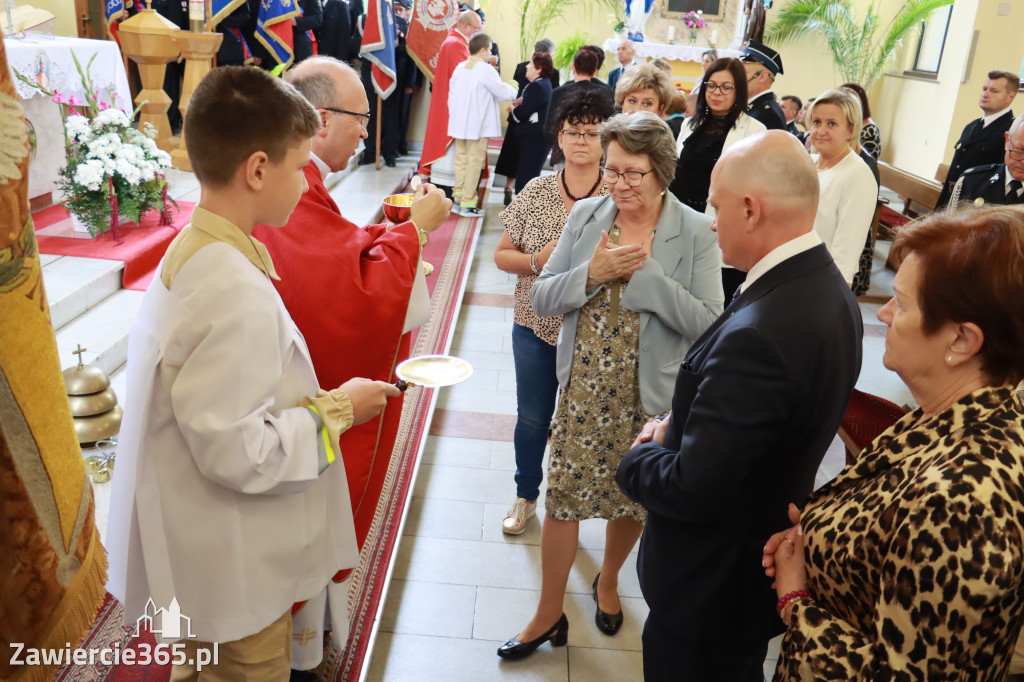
(724, 88)
(1015, 153)
(631, 178)
(364, 119)
(576, 135)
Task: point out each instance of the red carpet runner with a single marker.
(143, 247)
(449, 251)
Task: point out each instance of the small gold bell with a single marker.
(93, 402)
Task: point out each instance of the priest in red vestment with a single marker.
(454, 51)
(347, 289)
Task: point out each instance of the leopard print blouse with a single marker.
(915, 554)
(536, 216)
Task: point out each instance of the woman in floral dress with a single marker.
(636, 277)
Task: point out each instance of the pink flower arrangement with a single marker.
(694, 19)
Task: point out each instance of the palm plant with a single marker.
(859, 55)
(536, 16)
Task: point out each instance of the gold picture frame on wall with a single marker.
(712, 9)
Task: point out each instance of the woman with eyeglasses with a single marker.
(533, 223)
(635, 276)
(719, 122)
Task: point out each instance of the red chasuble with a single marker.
(454, 51)
(347, 289)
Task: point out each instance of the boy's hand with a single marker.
(430, 208)
(368, 397)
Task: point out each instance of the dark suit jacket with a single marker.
(230, 51)
(536, 96)
(765, 108)
(986, 182)
(977, 146)
(520, 76)
(757, 401)
(311, 19)
(613, 77)
(335, 31)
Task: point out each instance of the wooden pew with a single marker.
(919, 194)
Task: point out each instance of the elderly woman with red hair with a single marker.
(910, 564)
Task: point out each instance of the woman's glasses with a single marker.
(576, 135)
(631, 178)
(724, 88)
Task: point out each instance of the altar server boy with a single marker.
(229, 495)
(473, 116)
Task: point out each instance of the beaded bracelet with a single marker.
(790, 596)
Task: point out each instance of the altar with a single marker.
(49, 62)
(685, 59)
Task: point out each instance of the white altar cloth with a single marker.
(683, 53)
(49, 61)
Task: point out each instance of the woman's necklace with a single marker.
(569, 194)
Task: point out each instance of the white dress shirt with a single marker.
(776, 256)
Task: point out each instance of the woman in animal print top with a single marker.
(910, 564)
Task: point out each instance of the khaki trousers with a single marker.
(470, 159)
(263, 657)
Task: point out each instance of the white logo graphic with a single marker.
(170, 620)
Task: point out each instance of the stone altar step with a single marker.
(102, 330)
(74, 285)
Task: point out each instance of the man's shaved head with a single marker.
(764, 191)
(776, 167)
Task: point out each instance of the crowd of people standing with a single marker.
(686, 338)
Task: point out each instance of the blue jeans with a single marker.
(536, 388)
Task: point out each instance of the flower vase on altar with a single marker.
(694, 21)
(114, 172)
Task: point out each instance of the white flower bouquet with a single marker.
(113, 170)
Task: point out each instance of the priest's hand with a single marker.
(368, 397)
(430, 208)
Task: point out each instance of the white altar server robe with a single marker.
(473, 96)
(216, 497)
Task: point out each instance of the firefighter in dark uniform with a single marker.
(981, 142)
(763, 64)
(995, 183)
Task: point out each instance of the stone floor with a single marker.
(460, 587)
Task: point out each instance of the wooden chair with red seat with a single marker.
(866, 418)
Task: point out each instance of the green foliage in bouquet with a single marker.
(107, 155)
(112, 168)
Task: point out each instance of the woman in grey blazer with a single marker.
(637, 277)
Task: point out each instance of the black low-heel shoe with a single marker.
(558, 635)
(608, 623)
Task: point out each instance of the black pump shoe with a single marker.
(557, 634)
(608, 623)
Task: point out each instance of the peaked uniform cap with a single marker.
(756, 51)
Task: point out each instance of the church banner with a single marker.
(378, 45)
(274, 28)
(428, 27)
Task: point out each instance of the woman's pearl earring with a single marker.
(949, 359)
